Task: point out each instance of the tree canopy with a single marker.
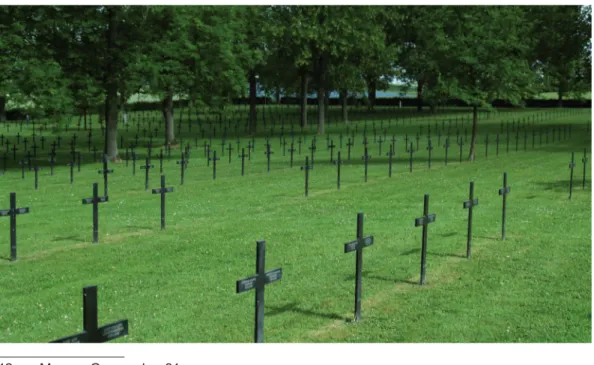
(59, 60)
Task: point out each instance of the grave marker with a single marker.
(365, 159)
(95, 200)
(163, 190)
(243, 155)
(268, 153)
(91, 332)
(12, 212)
(424, 221)
(469, 204)
(105, 172)
(584, 161)
(504, 191)
(183, 163)
(390, 155)
(258, 282)
(307, 167)
(214, 164)
(571, 166)
(147, 166)
(358, 245)
(338, 162)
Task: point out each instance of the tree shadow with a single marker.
(69, 238)
(294, 307)
(410, 252)
(451, 234)
(561, 185)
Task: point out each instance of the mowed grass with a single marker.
(178, 285)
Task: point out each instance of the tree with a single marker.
(478, 62)
(562, 48)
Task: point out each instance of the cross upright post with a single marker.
(429, 148)
(163, 190)
(571, 166)
(243, 156)
(95, 200)
(268, 153)
(469, 204)
(258, 282)
(358, 245)
(229, 149)
(460, 143)
(424, 221)
(147, 166)
(331, 146)
(390, 156)
(307, 167)
(584, 161)
(92, 333)
(338, 162)
(366, 158)
(504, 191)
(12, 212)
(105, 172)
(411, 157)
(214, 164)
(446, 146)
(182, 163)
(349, 145)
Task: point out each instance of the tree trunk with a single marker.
(168, 116)
(2, 108)
(344, 103)
(111, 101)
(419, 96)
(303, 101)
(474, 132)
(372, 91)
(253, 113)
(560, 97)
(321, 105)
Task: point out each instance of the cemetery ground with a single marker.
(178, 284)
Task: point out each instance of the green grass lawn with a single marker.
(178, 285)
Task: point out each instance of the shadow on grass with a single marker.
(562, 185)
(451, 234)
(294, 307)
(69, 238)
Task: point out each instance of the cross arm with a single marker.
(470, 203)
(352, 246)
(245, 284)
(430, 218)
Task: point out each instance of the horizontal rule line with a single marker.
(62, 357)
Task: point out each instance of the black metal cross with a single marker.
(147, 166)
(163, 190)
(429, 148)
(338, 162)
(307, 167)
(424, 221)
(486, 146)
(312, 148)
(12, 212)
(243, 156)
(105, 172)
(92, 333)
(349, 144)
(95, 200)
(504, 191)
(571, 166)
(358, 245)
(365, 159)
(411, 155)
(214, 160)
(446, 146)
(291, 150)
(22, 164)
(14, 149)
(268, 153)
(390, 155)
(469, 204)
(331, 146)
(584, 161)
(258, 282)
(461, 143)
(183, 164)
(36, 170)
(229, 149)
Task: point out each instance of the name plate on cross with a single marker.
(352, 246)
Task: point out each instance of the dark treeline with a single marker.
(60, 60)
